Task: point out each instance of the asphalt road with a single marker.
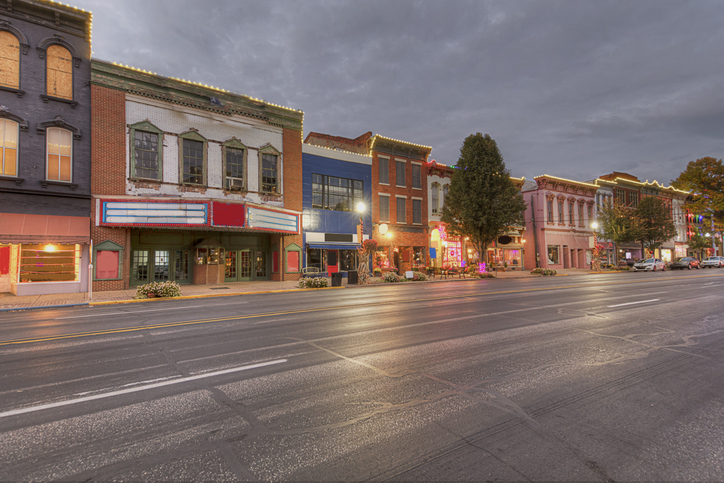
(587, 378)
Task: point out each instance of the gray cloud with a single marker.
(569, 88)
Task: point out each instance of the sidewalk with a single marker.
(12, 302)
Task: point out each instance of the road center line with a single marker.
(129, 390)
(634, 303)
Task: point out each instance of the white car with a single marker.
(712, 262)
(650, 264)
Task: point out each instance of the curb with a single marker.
(38, 307)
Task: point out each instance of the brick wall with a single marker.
(292, 196)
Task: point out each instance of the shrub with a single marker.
(158, 289)
(390, 277)
(482, 275)
(419, 276)
(546, 272)
(313, 282)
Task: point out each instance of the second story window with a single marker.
(434, 198)
(571, 214)
(561, 216)
(401, 208)
(269, 174)
(193, 162)
(9, 60)
(384, 208)
(580, 214)
(9, 141)
(416, 212)
(146, 154)
(550, 211)
(59, 72)
(337, 194)
(234, 153)
(416, 178)
(59, 154)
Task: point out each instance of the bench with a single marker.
(312, 272)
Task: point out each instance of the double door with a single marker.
(159, 266)
(246, 265)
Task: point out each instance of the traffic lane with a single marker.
(166, 353)
(369, 416)
(300, 326)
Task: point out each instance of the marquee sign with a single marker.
(154, 213)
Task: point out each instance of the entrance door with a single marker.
(245, 266)
(230, 273)
(260, 265)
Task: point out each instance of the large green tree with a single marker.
(705, 179)
(483, 202)
(617, 222)
(654, 224)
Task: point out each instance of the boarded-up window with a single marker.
(107, 266)
(9, 146)
(9, 60)
(60, 72)
(59, 154)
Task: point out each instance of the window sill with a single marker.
(17, 181)
(19, 92)
(47, 98)
(417, 188)
(46, 182)
(384, 184)
(400, 186)
(145, 180)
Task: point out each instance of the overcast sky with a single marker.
(574, 89)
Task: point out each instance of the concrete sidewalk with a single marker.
(12, 302)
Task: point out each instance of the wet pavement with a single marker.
(12, 302)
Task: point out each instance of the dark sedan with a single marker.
(685, 262)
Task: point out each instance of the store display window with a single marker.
(49, 263)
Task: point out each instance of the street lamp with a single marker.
(596, 262)
(360, 208)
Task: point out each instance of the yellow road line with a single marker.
(318, 309)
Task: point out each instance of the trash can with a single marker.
(336, 279)
(352, 278)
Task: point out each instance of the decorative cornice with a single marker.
(181, 92)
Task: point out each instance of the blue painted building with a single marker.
(333, 184)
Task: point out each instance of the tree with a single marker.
(698, 242)
(705, 179)
(653, 223)
(482, 202)
(617, 222)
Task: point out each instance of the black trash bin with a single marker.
(352, 278)
(336, 279)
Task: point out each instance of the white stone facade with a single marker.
(174, 120)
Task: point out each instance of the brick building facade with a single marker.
(191, 184)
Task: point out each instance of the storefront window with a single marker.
(512, 258)
(553, 254)
(382, 261)
(314, 259)
(49, 263)
(347, 260)
(418, 258)
(452, 253)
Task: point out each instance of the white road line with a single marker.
(70, 402)
(143, 311)
(634, 303)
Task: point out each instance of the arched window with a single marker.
(60, 154)
(9, 60)
(435, 198)
(9, 144)
(59, 72)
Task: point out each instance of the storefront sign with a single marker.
(269, 220)
(135, 213)
(228, 214)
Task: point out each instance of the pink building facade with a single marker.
(558, 221)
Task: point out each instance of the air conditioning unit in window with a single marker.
(235, 183)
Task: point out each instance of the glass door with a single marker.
(181, 266)
(230, 272)
(260, 265)
(245, 265)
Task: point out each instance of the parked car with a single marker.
(685, 262)
(711, 262)
(649, 264)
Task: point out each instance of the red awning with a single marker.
(20, 228)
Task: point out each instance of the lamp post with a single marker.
(360, 208)
(596, 261)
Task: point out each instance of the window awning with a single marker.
(21, 228)
(335, 245)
